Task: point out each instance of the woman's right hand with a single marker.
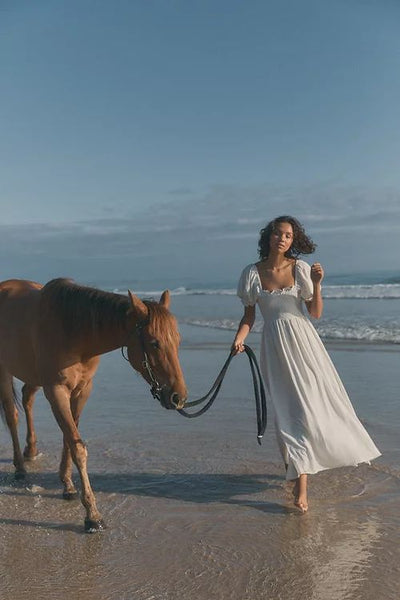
(243, 330)
(237, 347)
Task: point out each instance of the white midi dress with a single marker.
(316, 425)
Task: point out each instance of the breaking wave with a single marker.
(383, 291)
(362, 332)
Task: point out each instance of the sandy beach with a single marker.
(195, 508)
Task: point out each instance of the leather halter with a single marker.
(155, 389)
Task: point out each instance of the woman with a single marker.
(316, 425)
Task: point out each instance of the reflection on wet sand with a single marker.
(327, 555)
(201, 535)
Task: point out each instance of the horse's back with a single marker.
(18, 286)
(18, 302)
(17, 295)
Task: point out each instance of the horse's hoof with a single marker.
(70, 495)
(29, 456)
(94, 526)
(20, 474)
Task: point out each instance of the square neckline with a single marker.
(275, 290)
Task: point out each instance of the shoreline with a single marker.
(337, 342)
(333, 343)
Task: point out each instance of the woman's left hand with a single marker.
(317, 273)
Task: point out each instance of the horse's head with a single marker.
(153, 349)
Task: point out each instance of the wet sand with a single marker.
(196, 509)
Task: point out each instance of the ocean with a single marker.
(365, 310)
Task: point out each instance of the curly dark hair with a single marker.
(302, 244)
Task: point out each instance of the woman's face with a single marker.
(281, 238)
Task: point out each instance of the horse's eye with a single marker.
(155, 344)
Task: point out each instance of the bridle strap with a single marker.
(156, 388)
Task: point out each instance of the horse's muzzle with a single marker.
(177, 402)
(172, 401)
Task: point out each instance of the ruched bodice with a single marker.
(281, 304)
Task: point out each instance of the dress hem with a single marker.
(292, 469)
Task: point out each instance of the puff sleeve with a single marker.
(304, 280)
(249, 286)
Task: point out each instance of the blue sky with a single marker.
(115, 117)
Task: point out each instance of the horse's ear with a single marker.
(137, 306)
(165, 299)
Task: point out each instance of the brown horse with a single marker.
(53, 336)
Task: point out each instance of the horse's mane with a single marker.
(83, 309)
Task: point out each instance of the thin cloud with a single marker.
(181, 191)
(216, 232)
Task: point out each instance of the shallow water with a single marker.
(195, 508)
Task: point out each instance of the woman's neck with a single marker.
(276, 260)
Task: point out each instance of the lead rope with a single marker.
(259, 393)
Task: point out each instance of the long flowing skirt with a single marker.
(316, 425)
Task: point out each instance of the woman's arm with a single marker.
(315, 305)
(244, 328)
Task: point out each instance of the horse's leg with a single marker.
(77, 404)
(28, 399)
(11, 417)
(60, 402)
(65, 472)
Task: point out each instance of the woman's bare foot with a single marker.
(300, 493)
(301, 503)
